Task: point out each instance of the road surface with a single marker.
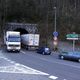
(28, 65)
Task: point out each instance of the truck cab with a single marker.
(13, 41)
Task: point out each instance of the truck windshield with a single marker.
(14, 38)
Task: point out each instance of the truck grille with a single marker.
(13, 45)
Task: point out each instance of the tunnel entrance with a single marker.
(21, 30)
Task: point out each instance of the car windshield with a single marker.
(46, 49)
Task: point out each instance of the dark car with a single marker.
(70, 56)
(44, 50)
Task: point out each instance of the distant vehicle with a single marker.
(70, 56)
(30, 40)
(13, 42)
(44, 50)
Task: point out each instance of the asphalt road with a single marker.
(28, 65)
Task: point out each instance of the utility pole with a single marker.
(55, 33)
(55, 19)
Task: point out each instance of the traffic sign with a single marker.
(72, 36)
(55, 43)
(55, 33)
(55, 38)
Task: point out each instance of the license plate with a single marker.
(13, 48)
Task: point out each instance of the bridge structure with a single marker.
(24, 28)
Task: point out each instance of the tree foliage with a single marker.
(36, 11)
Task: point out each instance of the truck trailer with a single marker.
(13, 41)
(30, 40)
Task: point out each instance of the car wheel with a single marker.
(49, 53)
(62, 57)
(43, 53)
(78, 60)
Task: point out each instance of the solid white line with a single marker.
(19, 68)
(31, 69)
(22, 52)
(53, 77)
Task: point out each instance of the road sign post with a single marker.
(73, 45)
(55, 33)
(55, 43)
(72, 37)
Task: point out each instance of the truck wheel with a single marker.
(43, 53)
(26, 47)
(50, 53)
(18, 51)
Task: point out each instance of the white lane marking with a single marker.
(53, 77)
(31, 70)
(19, 68)
(64, 79)
(22, 52)
(13, 62)
(8, 60)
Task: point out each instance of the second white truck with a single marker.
(30, 40)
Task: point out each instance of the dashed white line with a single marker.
(64, 79)
(53, 77)
(12, 62)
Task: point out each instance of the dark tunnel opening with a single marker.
(22, 31)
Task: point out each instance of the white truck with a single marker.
(30, 40)
(13, 41)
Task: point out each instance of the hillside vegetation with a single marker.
(42, 12)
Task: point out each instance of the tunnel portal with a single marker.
(24, 28)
